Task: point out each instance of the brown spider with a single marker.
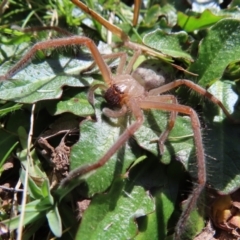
(125, 92)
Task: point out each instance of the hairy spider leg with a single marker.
(171, 121)
(82, 170)
(57, 43)
(123, 59)
(196, 88)
(147, 104)
(137, 6)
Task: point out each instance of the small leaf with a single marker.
(29, 217)
(73, 101)
(202, 20)
(54, 221)
(9, 107)
(40, 205)
(171, 44)
(217, 50)
(34, 190)
(23, 137)
(2, 161)
(46, 191)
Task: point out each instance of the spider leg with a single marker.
(132, 61)
(92, 90)
(173, 115)
(115, 113)
(197, 89)
(82, 170)
(145, 104)
(121, 55)
(57, 43)
(137, 6)
(122, 63)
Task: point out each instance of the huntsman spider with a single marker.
(123, 91)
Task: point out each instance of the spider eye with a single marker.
(113, 95)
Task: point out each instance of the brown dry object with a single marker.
(225, 213)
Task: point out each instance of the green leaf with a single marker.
(112, 215)
(223, 135)
(39, 205)
(8, 108)
(68, 217)
(9, 135)
(54, 221)
(46, 191)
(217, 50)
(29, 217)
(96, 139)
(199, 21)
(171, 44)
(179, 143)
(44, 80)
(23, 137)
(2, 161)
(152, 15)
(73, 101)
(32, 228)
(34, 190)
(195, 222)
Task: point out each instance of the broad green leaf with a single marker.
(10, 51)
(157, 222)
(73, 101)
(222, 134)
(171, 44)
(224, 137)
(43, 80)
(201, 20)
(112, 215)
(96, 139)
(163, 183)
(217, 50)
(179, 143)
(54, 221)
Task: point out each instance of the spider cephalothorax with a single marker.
(113, 96)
